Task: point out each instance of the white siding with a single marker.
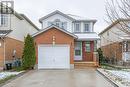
(57, 16)
(70, 23)
(20, 28)
(112, 35)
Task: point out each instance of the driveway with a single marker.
(60, 78)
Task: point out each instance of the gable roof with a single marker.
(53, 13)
(69, 16)
(29, 21)
(79, 18)
(53, 26)
(20, 16)
(113, 24)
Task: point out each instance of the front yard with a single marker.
(6, 75)
(119, 76)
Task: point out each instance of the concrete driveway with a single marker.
(60, 78)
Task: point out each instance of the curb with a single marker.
(112, 82)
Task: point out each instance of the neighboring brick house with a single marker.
(64, 40)
(13, 28)
(115, 41)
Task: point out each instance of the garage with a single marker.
(54, 48)
(53, 57)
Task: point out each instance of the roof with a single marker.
(69, 16)
(53, 13)
(53, 26)
(29, 21)
(87, 36)
(22, 17)
(3, 33)
(113, 24)
(79, 18)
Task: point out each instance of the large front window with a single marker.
(78, 48)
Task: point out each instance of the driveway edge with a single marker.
(13, 78)
(111, 81)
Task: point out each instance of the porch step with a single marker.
(83, 65)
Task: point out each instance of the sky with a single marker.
(91, 9)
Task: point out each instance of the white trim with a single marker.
(53, 13)
(63, 30)
(75, 27)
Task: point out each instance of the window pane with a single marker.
(77, 27)
(87, 45)
(95, 45)
(4, 19)
(50, 23)
(86, 27)
(77, 52)
(78, 47)
(64, 25)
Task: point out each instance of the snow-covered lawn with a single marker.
(121, 77)
(7, 74)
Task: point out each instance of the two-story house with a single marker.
(13, 28)
(115, 41)
(64, 40)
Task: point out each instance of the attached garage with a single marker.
(53, 57)
(54, 48)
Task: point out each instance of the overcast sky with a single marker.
(91, 9)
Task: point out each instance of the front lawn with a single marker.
(6, 75)
(119, 75)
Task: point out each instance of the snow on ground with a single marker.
(119, 76)
(6, 74)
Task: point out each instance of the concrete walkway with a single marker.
(60, 78)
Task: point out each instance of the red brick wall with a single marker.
(113, 50)
(60, 38)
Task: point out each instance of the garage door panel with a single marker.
(54, 56)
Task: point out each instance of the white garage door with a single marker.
(53, 57)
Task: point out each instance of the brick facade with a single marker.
(113, 50)
(10, 45)
(60, 38)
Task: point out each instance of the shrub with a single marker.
(101, 58)
(29, 56)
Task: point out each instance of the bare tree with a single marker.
(118, 11)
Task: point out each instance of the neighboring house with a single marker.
(115, 41)
(64, 40)
(13, 29)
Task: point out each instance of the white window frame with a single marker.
(88, 30)
(5, 20)
(75, 30)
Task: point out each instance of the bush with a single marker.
(29, 56)
(101, 58)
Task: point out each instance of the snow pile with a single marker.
(6, 74)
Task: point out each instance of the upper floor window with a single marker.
(58, 23)
(86, 27)
(77, 27)
(3, 20)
